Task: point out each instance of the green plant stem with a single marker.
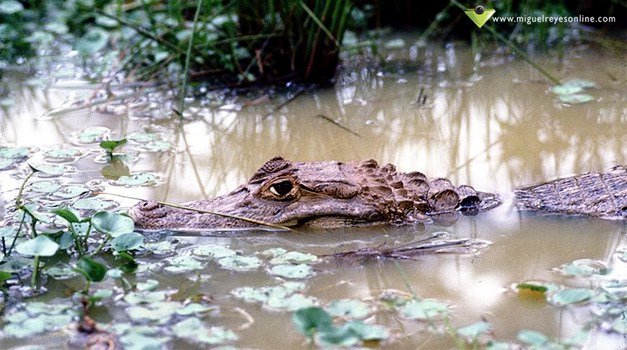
(18, 198)
(17, 233)
(100, 246)
(405, 279)
(516, 50)
(188, 57)
(35, 276)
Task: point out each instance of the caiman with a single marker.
(334, 194)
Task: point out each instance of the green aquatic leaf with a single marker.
(91, 269)
(571, 296)
(9, 7)
(71, 191)
(294, 258)
(139, 179)
(127, 241)
(48, 169)
(110, 145)
(310, 320)
(273, 252)
(148, 285)
(93, 41)
(6, 163)
(93, 134)
(192, 309)
(368, 332)
(474, 330)
(181, 264)
(142, 137)
(7, 232)
(425, 309)
(65, 240)
(292, 271)
(45, 186)
(15, 264)
(160, 248)
(240, 263)
(61, 273)
(63, 154)
(112, 224)
(138, 341)
(565, 90)
(38, 246)
(291, 302)
(159, 312)
(193, 329)
(576, 99)
(213, 250)
(532, 338)
(94, 203)
(14, 152)
(348, 308)
(157, 146)
(584, 268)
(145, 297)
(68, 214)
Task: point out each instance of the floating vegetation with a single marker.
(584, 268)
(29, 319)
(316, 324)
(144, 179)
(50, 170)
(95, 204)
(62, 155)
(213, 250)
(182, 264)
(9, 156)
(240, 263)
(349, 308)
(424, 310)
(570, 91)
(194, 330)
(285, 296)
(292, 271)
(94, 134)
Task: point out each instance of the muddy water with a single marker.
(491, 123)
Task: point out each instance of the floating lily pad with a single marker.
(160, 248)
(6, 163)
(180, 264)
(63, 154)
(14, 152)
(264, 294)
(93, 134)
(192, 309)
(37, 317)
(61, 273)
(475, 330)
(38, 246)
(145, 297)
(51, 170)
(291, 303)
(425, 309)
(138, 179)
(7, 232)
(15, 264)
(571, 296)
(127, 241)
(159, 312)
(112, 224)
(273, 252)
(240, 263)
(71, 191)
(584, 268)
(292, 271)
(193, 329)
(148, 285)
(94, 203)
(576, 99)
(294, 258)
(45, 186)
(348, 308)
(157, 146)
(213, 250)
(533, 338)
(134, 340)
(142, 137)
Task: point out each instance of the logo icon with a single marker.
(479, 15)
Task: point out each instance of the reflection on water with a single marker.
(493, 126)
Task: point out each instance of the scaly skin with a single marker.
(324, 195)
(599, 194)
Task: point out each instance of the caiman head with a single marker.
(319, 194)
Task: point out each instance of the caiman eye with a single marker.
(281, 188)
